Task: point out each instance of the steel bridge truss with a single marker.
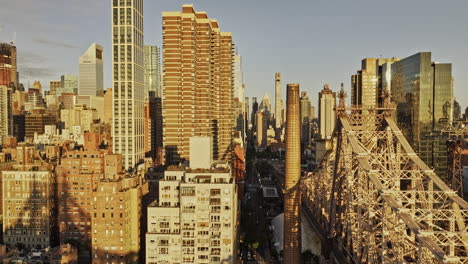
(379, 202)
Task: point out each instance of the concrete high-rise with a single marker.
(83, 169)
(6, 111)
(69, 84)
(6, 65)
(327, 117)
(254, 113)
(261, 128)
(198, 83)
(278, 104)
(366, 83)
(195, 218)
(128, 75)
(305, 118)
(239, 97)
(423, 93)
(91, 79)
(117, 214)
(292, 196)
(54, 86)
(239, 88)
(152, 71)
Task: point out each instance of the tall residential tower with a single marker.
(128, 76)
(198, 83)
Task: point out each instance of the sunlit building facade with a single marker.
(423, 93)
(128, 77)
(198, 83)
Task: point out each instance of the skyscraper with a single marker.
(6, 66)
(128, 76)
(365, 90)
(91, 71)
(54, 86)
(69, 84)
(265, 105)
(423, 92)
(254, 113)
(305, 118)
(152, 71)
(239, 88)
(38, 86)
(6, 111)
(327, 118)
(278, 105)
(239, 96)
(198, 83)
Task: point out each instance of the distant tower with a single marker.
(37, 85)
(292, 196)
(91, 79)
(278, 104)
(6, 65)
(128, 75)
(69, 84)
(305, 118)
(327, 103)
(152, 71)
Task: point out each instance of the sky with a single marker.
(311, 42)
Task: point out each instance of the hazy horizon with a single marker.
(309, 42)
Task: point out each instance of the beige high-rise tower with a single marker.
(327, 117)
(198, 83)
(91, 79)
(128, 76)
(292, 196)
(278, 103)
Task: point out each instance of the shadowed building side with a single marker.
(292, 196)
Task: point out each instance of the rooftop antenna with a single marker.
(14, 38)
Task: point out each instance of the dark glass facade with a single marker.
(423, 92)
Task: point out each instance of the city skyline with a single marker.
(160, 162)
(47, 58)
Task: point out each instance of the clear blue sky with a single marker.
(311, 42)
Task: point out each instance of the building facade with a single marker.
(7, 69)
(195, 218)
(29, 210)
(423, 93)
(117, 216)
(91, 78)
(6, 111)
(152, 71)
(305, 108)
(367, 84)
(77, 177)
(128, 75)
(198, 83)
(278, 102)
(327, 117)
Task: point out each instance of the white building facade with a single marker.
(195, 218)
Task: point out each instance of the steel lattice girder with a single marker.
(381, 201)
